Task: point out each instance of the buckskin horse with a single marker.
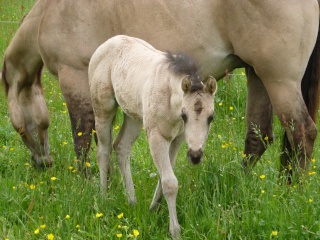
(276, 41)
(159, 91)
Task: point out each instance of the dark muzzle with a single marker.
(195, 157)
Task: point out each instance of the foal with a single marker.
(159, 91)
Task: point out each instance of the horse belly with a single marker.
(70, 33)
(128, 96)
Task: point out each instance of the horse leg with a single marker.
(258, 120)
(129, 132)
(290, 108)
(75, 88)
(160, 148)
(173, 152)
(105, 112)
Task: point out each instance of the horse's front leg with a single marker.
(173, 152)
(75, 88)
(258, 119)
(160, 148)
(129, 132)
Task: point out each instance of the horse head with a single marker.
(197, 113)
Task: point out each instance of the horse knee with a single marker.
(169, 186)
(256, 145)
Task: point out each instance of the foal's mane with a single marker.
(183, 64)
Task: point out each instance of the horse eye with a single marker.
(210, 118)
(184, 117)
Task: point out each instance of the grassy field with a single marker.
(215, 201)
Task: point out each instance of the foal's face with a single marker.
(197, 114)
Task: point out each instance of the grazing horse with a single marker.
(276, 41)
(165, 94)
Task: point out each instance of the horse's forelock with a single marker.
(196, 83)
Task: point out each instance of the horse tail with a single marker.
(310, 88)
(310, 85)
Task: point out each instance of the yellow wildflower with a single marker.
(67, 216)
(120, 215)
(135, 232)
(231, 108)
(79, 134)
(262, 176)
(37, 231)
(119, 235)
(99, 215)
(43, 226)
(50, 236)
(88, 164)
(53, 178)
(274, 233)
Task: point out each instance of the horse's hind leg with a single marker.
(300, 128)
(75, 88)
(258, 119)
(173, 152)
(105, 111)
(129, 132)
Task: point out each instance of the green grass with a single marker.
(216, 200)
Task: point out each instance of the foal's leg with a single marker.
(173, 152)
(129, 132)
(105, 111)
(160, 148)
(75, 88)
(258, 119)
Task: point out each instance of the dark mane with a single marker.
(3, 76)
(183, 64)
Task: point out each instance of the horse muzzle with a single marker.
(41, 161)
(195, 157)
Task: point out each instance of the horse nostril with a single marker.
(195, 156)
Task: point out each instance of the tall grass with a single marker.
(216, 199)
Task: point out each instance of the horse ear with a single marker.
(186, 84)
(211, 85)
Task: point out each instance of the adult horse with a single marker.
(273, 40)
